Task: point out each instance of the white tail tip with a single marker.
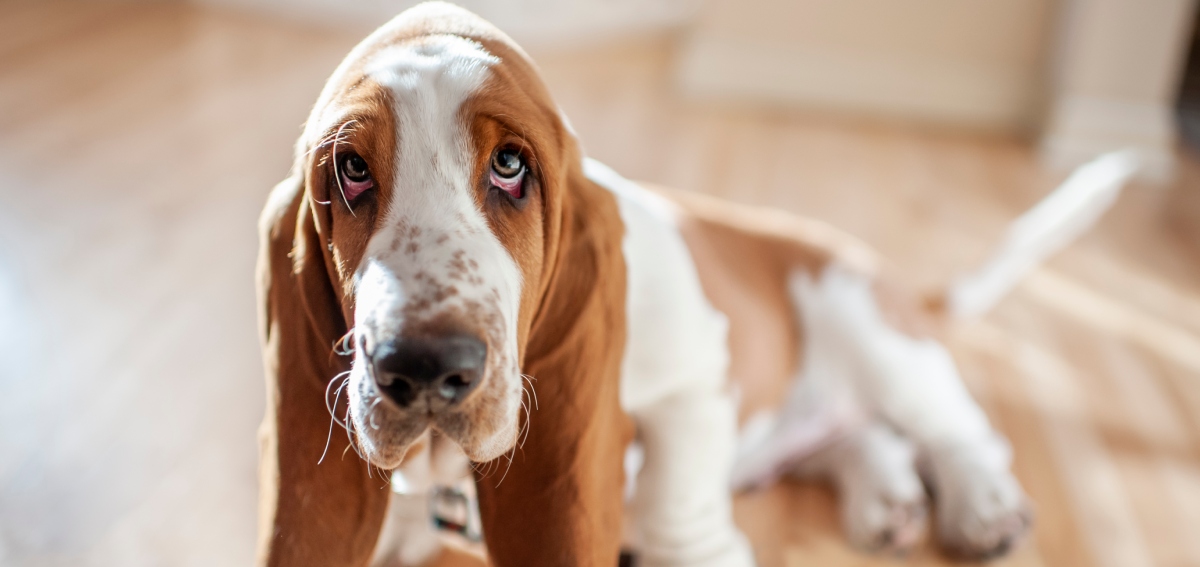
(1052, 224)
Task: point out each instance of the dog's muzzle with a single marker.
(443, 369)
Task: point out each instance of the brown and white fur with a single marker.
(605, 309)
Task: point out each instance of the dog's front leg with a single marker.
(682, 505)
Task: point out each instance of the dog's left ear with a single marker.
(309, 514)
(567, 478)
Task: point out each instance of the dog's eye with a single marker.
(507, 163)
(354, 168)
(356, 177)
(508, 172)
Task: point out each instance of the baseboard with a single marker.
(1081, 128)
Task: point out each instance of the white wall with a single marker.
(1117, 67)
(1089, 75)
(974, 63)
(533, 23)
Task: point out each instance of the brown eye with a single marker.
(507, 164)
(508, 173)
(354, 168)
(355, 176)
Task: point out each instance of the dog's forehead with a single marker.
(452, 66)
(432, 75)
(435, 45)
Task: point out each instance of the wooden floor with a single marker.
(137, 145)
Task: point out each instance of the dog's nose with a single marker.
(448, 366)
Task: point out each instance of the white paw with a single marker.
(735, 551)
(982, 512)
(882, 499)
(883, 520)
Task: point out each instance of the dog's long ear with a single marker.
(567, 478)
(309, 514)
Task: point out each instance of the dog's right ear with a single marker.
(312, 511)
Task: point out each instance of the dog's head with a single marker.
(435, 161)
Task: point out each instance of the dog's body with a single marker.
(832, 375)
(442, 228)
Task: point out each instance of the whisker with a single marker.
(332, 138)
(511, 453)
(345, 378)
(506, 469)
(343, 346)
(337, 174)
(328, 438)
(354, 445)
(371, 413)
(493, 466)
(328, 139)
(350, 433)
(525, 427)
(332, 414)
(531, 380)
(524, 435)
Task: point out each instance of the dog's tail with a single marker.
(1052, 224)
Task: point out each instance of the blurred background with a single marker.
(138, 141)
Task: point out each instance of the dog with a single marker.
(444, 265)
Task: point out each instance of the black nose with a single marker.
(448, 366)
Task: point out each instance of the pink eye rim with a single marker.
(514, 186)
(507, 172)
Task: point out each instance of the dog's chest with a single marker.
(675, 338)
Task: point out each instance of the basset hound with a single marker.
(443, 258)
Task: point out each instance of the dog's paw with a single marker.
(883, 502)
(982, 513)
(985, 524)
(884, 514)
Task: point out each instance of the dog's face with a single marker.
(435, 156)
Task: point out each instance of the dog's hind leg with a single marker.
(914, 385)
(981, 510)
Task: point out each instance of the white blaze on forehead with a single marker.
(430, 79)
(454, 63)
(434, 238)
